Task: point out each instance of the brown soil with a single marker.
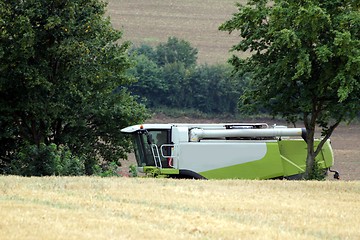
(345, 142)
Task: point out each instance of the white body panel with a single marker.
(205, 156)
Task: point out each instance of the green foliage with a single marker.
(174, 51)
(213, 89)
(108, 170)
(60, 64)
(180, 83)
(153, 173)
(305, 61)
(174, 74)
(150, 85)
(317, 173)
(46, 160)
(133, 170)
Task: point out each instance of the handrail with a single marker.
(162, 151)
(169, 157)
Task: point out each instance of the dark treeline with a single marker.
(168, 76)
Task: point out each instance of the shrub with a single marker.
(107, 170)
(318, 172)
(46, 160)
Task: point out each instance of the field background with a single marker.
(145, 208)
(197, 21)
(141, 208)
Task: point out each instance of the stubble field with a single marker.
(144, 208)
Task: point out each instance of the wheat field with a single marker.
(144, 208)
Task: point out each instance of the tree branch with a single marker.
(327, 136)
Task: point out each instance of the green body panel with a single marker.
(293, 156)
(167, 171)
(326, 157)
(155, 171)
(283, 158)
(294, 152)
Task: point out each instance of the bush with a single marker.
(107, 170)
(46, 160)
(318, 173)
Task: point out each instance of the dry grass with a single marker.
(137, 208)
(196, 21)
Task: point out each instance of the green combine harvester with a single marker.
(223, 151)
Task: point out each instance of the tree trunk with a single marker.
(310, 158)
(310, 124)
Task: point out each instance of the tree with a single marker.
(305, 61)
(150, 84)
(175, 50)
(161, 73)
(213, 89)
(175, 76)
(60, 63)
(146, 50)
(181, 83)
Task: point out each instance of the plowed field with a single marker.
(196, 21)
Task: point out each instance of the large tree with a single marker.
(305, 62)
(61, 75)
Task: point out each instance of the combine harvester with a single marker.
(223, 151)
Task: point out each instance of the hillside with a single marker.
(196, 21)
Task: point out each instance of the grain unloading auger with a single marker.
(223, 151)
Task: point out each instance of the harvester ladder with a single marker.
(156, 155)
